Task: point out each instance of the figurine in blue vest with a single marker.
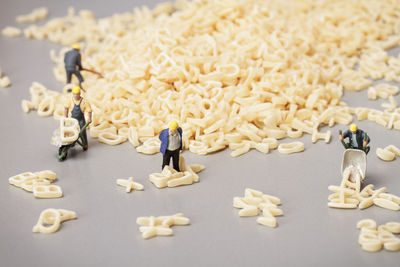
(171, 144)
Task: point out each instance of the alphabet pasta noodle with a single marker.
(247, 71)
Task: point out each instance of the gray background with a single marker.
(106, 234)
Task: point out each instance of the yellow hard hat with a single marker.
(353, 127)
(76, 46)
(173, 125)
(76, 90)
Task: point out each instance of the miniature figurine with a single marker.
(72, 60)
(78, 107)
(171, 144)
(358, 139)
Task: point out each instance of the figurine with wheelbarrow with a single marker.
(355, 156)
(73, 130)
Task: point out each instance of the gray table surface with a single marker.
(106, 234)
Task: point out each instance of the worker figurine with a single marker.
(78, 107)
(171, 144)
(72, 60)
(358, 139)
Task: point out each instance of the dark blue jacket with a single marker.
(72, 59)
(359, 137)
(164, 139)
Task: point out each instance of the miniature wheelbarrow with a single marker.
(67, 136)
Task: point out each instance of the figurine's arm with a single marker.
(162, 135)
(67, 104)
(87, 107)
(366, 139)
(180, 136)
(79, 63)
(89, 116)
(340, 135)
(346, 134)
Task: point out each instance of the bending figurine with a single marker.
(358, 139)
(73, 65)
